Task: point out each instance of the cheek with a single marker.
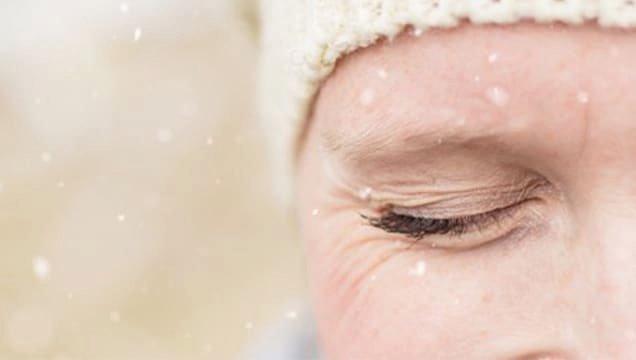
(376, 298)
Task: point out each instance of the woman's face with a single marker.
(471, 194)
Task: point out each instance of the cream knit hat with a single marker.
(303, 39)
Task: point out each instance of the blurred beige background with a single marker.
(136, 216)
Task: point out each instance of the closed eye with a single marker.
(458, 232)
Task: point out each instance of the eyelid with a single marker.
(416, 213)
(475, 203)
(508, 223)
(513, 223)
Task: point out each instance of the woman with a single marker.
(465, 176)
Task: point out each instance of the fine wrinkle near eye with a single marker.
(506, 213)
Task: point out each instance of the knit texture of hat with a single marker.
(303, 39)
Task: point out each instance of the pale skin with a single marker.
(532, 125)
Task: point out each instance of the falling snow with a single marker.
(209, 141)
(121, 217)
(382, 74)
(249, 325)
(46, 157)
(367, 97)
(123, 7)
(419, 269)
(583, 97)
(365, 193)
(164, 135)
(137, 34)
(498, 96)
(315, 212)
(493, 58)
(41, 267)
(292, 315)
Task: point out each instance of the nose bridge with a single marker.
(603, 200)
(613, 235)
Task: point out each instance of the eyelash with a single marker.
(418, 227)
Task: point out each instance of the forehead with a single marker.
(482, 82)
